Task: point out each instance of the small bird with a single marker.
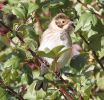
(57, 33)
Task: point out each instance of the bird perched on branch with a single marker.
(57, 33)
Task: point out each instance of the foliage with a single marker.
(21, 25)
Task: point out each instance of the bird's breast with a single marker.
(53, 40)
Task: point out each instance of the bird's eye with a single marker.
(63, 21)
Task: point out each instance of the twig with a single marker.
(22, 41)
(66, 82)
(12, 31)
(94, 53)
(86, 6)
(97, 59)
(38, 21)
(43, 62)
(10, 90)
(70, 88)
(66, 95)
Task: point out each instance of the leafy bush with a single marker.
(21, 24)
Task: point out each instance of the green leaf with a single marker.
(87, 93)
(45, 85)
(88, 1)
(9, 75)
(86, 21)
(19, 12)
(95, 42)
(57, 49)
(55, 95)
(49, 76)
(3, 94)
(24, 6)
(102, 2)
(99, 27)
(79, 61)
(100, 80)
(31, 93)
(28, 72)
(51, 53)
(40, 94)
(20, 54)
(30, 43)
(7, 8)
(13, 1)
(39, 85)
(32, 7)
(31, 32)
(13, 62)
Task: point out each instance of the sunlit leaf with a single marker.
(9, 75)
(85, 21)
(52, 53)
(32, 7)
(13, 62)
(18, 12)
(3, 94)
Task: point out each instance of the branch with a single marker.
(22, 41)
(12, 31)
(66, 82)
(66, 95)
(94, 53)
(86, 6)
(41, 61)
(70, 88)
(39, 22)
(11, 91)
(44, 63)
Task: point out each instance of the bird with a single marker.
(57, 33)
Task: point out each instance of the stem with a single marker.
(11, 91)
(66, 95)
(39, 22)
(85, 5)
(94, 53)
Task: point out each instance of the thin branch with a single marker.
(70, 88)
(39, 22)
(66, 95)
(12, 31)
(86, 6)
(11, 91)
(22, 41)
(42, 61)
(66, 82)
(97, 59)
(94, 53)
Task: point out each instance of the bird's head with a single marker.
(61, 22)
